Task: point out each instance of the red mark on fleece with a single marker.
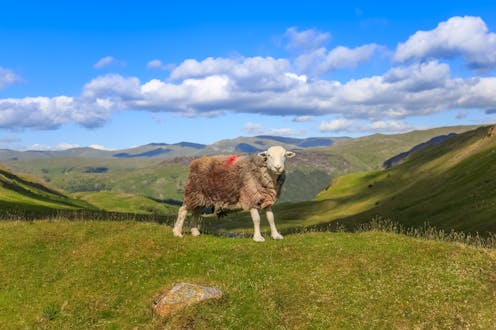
(232, 159)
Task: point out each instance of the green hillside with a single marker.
(450, 186)
(369, 152)
(163, 179)
(20, 195)
(87, 275)
(159, 179)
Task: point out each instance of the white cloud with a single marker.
(65, 146)
(306, 39)
(342, 125)
(103, 62)
(392, 126)
(8, 77)
(337, 125)
(403, 91)
(46, 113)
(302, 119)
(106, 61)
(98, 147)
(157, 64)
(466, 36)
(321, 60)
(269, 86)
(258, 129)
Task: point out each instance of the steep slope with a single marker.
(369, 152)
(27, 195)
(450, 186)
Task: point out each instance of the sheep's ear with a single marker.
(290, 154)
(263, 154)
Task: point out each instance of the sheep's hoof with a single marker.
(195, 232)
(277, 236)
(259, 238)
(177, 233)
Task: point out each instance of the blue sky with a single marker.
(121, 74)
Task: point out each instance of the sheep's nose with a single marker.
(278, 167)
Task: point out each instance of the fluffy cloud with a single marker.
(342, 125)
(466, 36)
(302, 119)
(275, 86)
(8, 77)
(46, 113)
(337, 125)
(98, 147)
(106, 61)
(258, 129)
(157, 64)
(313, 58)
(321, 60)
(305, 40)
(403, 91)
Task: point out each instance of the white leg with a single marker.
(178, 227)
(194, 223)
(270, 218)
(255, 216)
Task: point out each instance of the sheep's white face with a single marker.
(275, 158)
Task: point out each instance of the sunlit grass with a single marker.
(59, 274)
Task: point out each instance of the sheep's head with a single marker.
(275, 157)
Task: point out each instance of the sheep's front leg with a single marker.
(255, 216)
(178, 226)
(270, 218)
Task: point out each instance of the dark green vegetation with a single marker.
(163, 179)
(82, 275)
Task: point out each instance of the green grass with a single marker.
(106, 274)
(128, 203)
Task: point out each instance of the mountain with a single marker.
(393, 161)
(165, 150)
(450, 185)
(21, 195)
(163, 177)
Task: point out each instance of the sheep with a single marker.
(228, 183)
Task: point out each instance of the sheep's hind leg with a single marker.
(194, 222)
(270, 218)
(178, 226)
(255, 216)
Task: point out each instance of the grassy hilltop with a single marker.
(85, 275)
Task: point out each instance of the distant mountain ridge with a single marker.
(165, 150)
